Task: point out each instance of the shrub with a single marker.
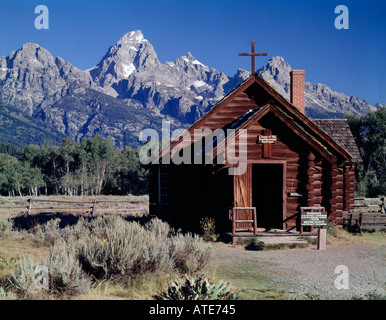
(130, 249)
(198, 288)
(7, 261)
(158, 228)
(49, 232)
(6, 227)
(208, 229)
(23, 280)
(117, 248)
(155, 255)
(76, 232)
(66, 276)
(374, 295)
(255, 244)
(111, 253)
(4, 295)
(105, 226)
(110, 247)
(189, 253)
(332, 230)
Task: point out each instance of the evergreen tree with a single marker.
(91, 167)
(370, 135)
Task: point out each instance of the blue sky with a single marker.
(350, 61)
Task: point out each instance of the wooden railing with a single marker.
(92, 207)
(233, 217)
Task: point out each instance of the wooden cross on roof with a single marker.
(253, 54)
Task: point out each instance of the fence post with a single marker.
(93, 208)
(29, 206)
(254, 222)
(233, 221)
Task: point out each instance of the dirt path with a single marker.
(308, 272)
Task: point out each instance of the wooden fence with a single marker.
(91, 207)
(368, 213)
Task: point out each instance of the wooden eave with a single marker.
(303, 118)
(309, 139)
(291, 115)
(216, 108)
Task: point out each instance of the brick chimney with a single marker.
(297, 89)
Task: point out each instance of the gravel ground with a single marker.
(312, 272)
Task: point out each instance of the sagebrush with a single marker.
(108, 247)
(130, 248)
(198, 288)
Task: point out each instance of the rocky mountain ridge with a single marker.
(130, 89)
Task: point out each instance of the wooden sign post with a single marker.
(315, 217)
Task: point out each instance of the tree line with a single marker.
(370, 135)
(94, 166)
(91, 167)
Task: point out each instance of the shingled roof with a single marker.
(240, 107)
(339, 130)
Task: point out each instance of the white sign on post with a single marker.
(315, 217)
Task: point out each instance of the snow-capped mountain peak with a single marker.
(129, 89)
(130, 53)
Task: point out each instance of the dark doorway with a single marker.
(267, 195)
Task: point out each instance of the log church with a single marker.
(292, 161)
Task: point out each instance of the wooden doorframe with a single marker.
(284, 187)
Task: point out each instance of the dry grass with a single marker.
(24, 245)
(142, 287)
(252, 276)
(16, 245)
(19, 243)
(238, 266)
(341, 237)
(20, 204)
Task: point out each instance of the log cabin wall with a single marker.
(289, 151)
(302, 150)
(327, 186)
(349, 186)
(320, 182)
(339, 194)
(334, 191)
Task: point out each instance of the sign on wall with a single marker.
(267, 139)
(313, 216)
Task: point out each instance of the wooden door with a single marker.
(243, 198)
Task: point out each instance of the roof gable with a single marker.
(278, 113)
(257, 94)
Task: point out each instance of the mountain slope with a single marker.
(84, 112)
(130, 89)
(320, 100)
(30, 74)
(20, 129)
(183, 89)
